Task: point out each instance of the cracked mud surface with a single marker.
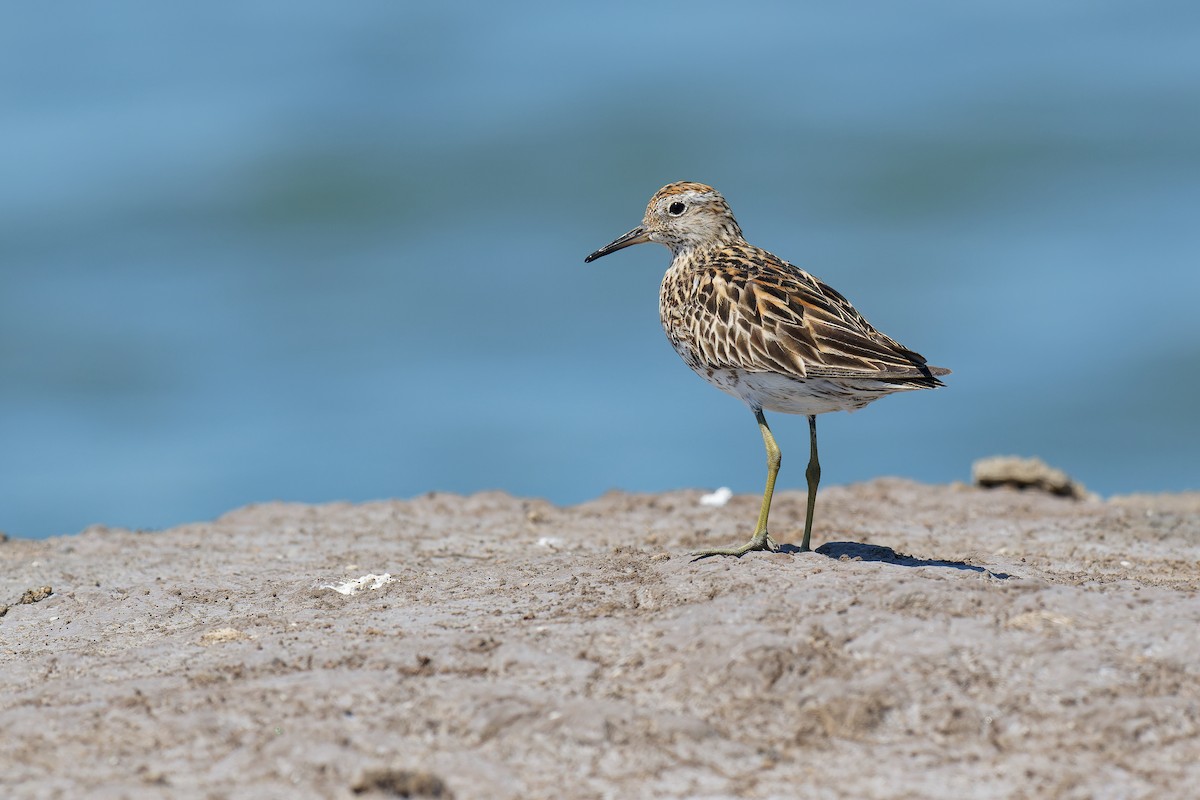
(943, 642)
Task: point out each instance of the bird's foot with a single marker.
(761, 541)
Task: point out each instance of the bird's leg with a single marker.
(813, 474)
(761, 539)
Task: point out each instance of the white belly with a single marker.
(773, 392)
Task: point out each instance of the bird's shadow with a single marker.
(858, 551)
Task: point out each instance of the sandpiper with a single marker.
(765, 331)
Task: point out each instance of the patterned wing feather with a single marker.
(753, 311)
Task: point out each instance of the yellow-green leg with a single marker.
(761, 539)
(813, 474)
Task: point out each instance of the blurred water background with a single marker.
(322, 251)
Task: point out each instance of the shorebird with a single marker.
(764, 331)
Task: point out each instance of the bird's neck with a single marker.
(687, 253)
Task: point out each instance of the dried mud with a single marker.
(943, 642)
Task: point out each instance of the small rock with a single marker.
(402, 783)
(35, 595)
(1026, 473)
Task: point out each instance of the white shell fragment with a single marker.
(718, 498)
(358, 584)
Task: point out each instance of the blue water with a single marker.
(302, 251)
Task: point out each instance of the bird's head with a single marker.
(683, 216)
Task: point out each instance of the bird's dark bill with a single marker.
(635, 236)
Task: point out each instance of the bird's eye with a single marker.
(676, 208)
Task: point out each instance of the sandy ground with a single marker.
(944, 642)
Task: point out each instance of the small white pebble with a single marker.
(718, 498)
(552, 542)
(1126, 564)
